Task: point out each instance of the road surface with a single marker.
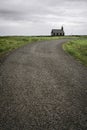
(43, 88)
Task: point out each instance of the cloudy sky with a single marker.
(38, 17)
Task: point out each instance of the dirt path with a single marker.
(43, 88)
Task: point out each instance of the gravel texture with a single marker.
(43, 88)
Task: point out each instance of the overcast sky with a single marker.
(38, 17)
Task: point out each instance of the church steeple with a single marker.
(62, 28)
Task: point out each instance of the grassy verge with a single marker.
(78, 49)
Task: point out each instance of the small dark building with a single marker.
(58, 32)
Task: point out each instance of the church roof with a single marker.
(57, 30)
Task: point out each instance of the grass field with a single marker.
(78, 49)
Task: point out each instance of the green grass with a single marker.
(78, 49)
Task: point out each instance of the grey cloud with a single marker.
(44, 12)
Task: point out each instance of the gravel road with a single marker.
(43, 88)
